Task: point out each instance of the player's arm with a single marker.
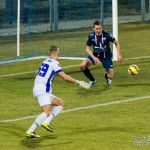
(70, 79)
(119, 55)
(66, 77)
(88, 50)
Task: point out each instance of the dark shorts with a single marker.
(107, 63)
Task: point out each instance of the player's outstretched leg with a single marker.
(109, 76)
(30, 132)
(58, 106)
(89, 75)
(108, 80)
(84, 67)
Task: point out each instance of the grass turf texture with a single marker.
(123, 126)
(119, 127)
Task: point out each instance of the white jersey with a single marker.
(43, 80)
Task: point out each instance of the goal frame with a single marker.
(114, 27)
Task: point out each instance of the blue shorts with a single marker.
(107, 63)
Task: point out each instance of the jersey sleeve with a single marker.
(89, 41)
(111, 38)
(57, 68)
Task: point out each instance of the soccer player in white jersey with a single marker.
(42, 91)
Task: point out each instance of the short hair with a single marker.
(97, 22)
(52, 49)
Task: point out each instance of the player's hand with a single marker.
(96, 60)
(83, 84)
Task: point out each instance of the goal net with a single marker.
(29, 27)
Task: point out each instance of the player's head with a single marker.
(54, 52)
(97, 26)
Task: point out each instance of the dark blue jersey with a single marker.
(101, 44)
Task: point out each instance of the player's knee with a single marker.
(47, 112)
(61, 103)
(82, 66)
(46, 109)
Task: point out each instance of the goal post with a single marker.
(18, 28)
(115, 25)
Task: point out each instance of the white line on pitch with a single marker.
(23, 73)
(17, 74)
(83, 108)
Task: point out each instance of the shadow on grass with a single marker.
(18, 133)
(96, 90)
(31, 143)
(36, 143)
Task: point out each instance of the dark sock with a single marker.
(88, 74)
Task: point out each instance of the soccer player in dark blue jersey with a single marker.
(100, 41)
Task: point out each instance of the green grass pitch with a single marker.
(122, 126)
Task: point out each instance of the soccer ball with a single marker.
(133, 69)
